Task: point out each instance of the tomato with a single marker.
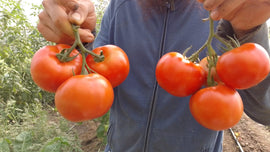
(84, 97)
(178, 76)
(217, 108)
(115, 66)
(48, 72)
(243, 67)
(214, 75)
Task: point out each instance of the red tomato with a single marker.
(115, 66)
(217, 108)
(48, 72)
(243, 67)
(84, 97)
(178, 76)
(214, 75)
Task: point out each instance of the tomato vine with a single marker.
(64, 55)
(212, 55)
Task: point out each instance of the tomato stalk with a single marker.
(63, 56)
(78, 42)
(84, 51)
(212, 55)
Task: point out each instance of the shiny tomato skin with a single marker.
(84, 97)
(243, 67)
(217, 108)
(48, 72)
(115, 66)
(178, 76)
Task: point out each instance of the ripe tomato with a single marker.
(217, 108)
(179, 76)
(243, 67)
(115, 66)
(84, 97)
(48, 72)
(214, 75)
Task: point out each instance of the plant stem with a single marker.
(212, 56)
(78, 42)
(207, 44)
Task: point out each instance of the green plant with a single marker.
(100, 6)
(37, 132)
(103, 127)
(19, 39)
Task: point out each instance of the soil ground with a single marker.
(253, 137)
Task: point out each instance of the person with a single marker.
(144, 117)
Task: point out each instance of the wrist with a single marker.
(241, 33)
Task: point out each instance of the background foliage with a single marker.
(19, 40)
(25, 110)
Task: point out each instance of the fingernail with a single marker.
(214, 15)
(76, 16)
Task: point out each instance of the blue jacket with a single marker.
(144, 117)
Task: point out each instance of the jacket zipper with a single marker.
(170, 6)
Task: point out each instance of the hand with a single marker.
(58, 15)
(244, 15)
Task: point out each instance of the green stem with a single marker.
(210, 49)
(98, 58)
(226, 43)
(212, 56)
(84, 71)
(207, 44)
(64, 55)
(84, 51)
(195, 55)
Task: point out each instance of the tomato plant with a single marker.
(48, 72)
(243, 67)
(179, 76)
(84, 97)
(213, 74)
(217, 107)
(115, 66)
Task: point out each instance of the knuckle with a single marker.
(45, 3)
(39, 27)
(72, 5)
(209, 5)
(41, 15)
(58, 22)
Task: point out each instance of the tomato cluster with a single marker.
(218, 106)
(80, 96)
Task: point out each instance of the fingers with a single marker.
(80, 11)
(212, 4)
(56, 18)
(86, 35)
(50, 35)
(222, 8)
(227, 9)
(89, 23)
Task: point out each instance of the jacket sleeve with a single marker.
(256, 100)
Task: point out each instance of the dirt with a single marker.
(252, 137)
(88, 137)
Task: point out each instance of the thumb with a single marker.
(78, 13)
(76, 18)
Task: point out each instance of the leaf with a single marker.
(101, 131)
(4, 147)
(53, 147)
(23, 137)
